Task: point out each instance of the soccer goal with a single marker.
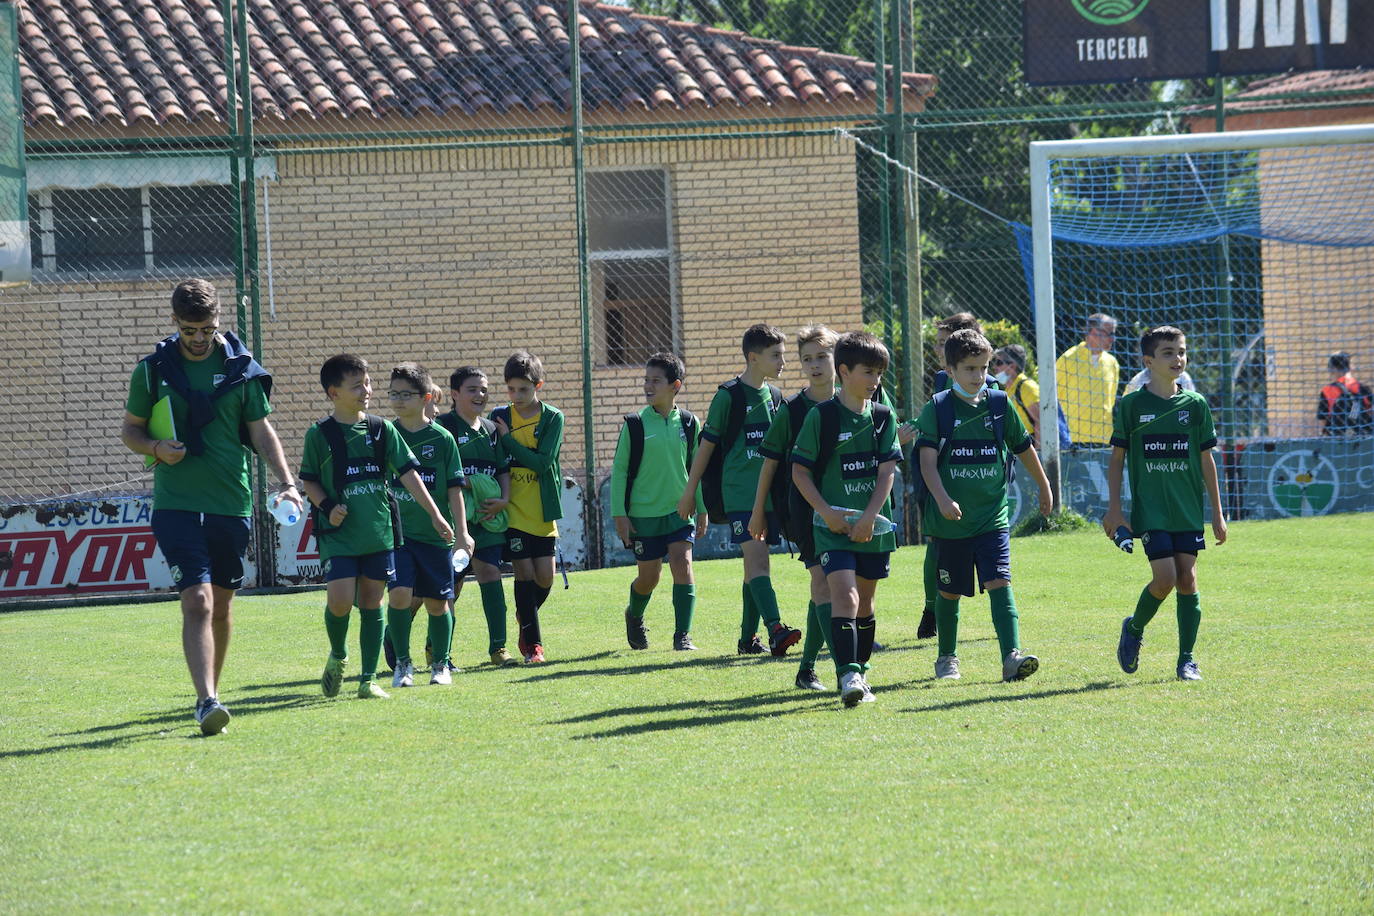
(1260, 246)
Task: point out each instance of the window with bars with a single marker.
(632, 266)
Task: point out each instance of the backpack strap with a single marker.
(734, 422)
(376, 431)
(332, 431)
(691, 430)
(487, 426)
(634, 423)
(940, 382)
(798, 405)
(830, 431)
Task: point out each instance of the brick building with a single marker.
(439, 253)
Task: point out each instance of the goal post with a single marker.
(1150, 204)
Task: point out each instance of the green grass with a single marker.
(652, 781)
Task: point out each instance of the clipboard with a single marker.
(160, 426)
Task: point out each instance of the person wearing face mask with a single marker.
(1008, 367)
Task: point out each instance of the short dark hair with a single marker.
(760, 337)
(963, 344)
(462, 374)
(1151, 339)
(337, 368)
(195, 300)
(415, 374)
(959, 321)
(860, 348)
(670, 363)
(1338, 362)
(525, 365)
(1014, 353)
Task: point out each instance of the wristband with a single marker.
(327, 505)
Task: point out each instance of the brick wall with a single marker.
(449, 257)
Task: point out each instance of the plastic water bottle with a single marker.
(881, 523)
(285, 511)
(461, 559)
(1124, 539)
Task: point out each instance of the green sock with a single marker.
(494, 608)
(947, 623)
(1145, 607)
(441, 634)
(749, 619)
(823, 624)
(638, 602)
(370, 632)
(766, 600)
(337, 628)
(398, 631)
(931, 573)
(1005, 619)
(811, 646)
(452, 628)
(1189, 619)
(684, 606)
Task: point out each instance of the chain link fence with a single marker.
(451, 180)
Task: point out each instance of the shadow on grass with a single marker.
(1091, 687)
(719, 712)
(179, 718)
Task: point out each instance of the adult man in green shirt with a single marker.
(202, 497)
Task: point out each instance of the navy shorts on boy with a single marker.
(865, 565)
(380, 566)
(521, 545)
(426, 569)
(1160, 545)
(957, 558)
(492, 555)
(806, 549)
(201, 548)
(739, 528)
(655, 546)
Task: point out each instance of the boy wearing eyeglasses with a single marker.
(424, 562)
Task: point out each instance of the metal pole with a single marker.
(591, 520)
(249, 300)
(914, 359)
(1226, 414)
(1043, 303)
(896, 148)
(231, 119)
(884, 171)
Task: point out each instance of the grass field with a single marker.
(612, 781)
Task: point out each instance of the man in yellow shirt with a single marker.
(1088, 377)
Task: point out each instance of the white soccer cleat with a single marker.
(947, 668)
(404, 675)
(851, 688)
(439, 674)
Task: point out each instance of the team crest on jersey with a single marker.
(1183, 418)
(987, 423)
(218, 379)
(426, 451)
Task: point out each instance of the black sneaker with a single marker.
(682, 642)
(750, 646)
(807, 680)
(782, 638)
(926, 629)
(636, 632)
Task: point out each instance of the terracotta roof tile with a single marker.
(124, 62)
(1255, 95)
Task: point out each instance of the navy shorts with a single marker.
(492, 555)
(521, 545)
(380, 566)
(806, 548)
(957, 558)
(200, 547)
(427, 569)
(655, 547)
(739, 528)
(1160, 545)
(866, 564)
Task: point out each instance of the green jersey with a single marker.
(217, 481)
(742, 461)
(481, 453)
(367, 529)
(661, 478)
(973, 469)
(851, 473)
(778, 441)
(440, 469)
(1164, 440)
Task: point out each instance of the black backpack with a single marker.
(333, 434)
(792, 511)
(449, 421)
(799, 511)
(635, 423)
(944, 424)
(711, 491)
